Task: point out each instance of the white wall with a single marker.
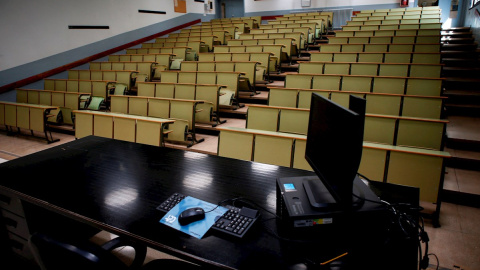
(269, 5)
(36, 29)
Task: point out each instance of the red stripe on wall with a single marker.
(57, 70)
(271, 17)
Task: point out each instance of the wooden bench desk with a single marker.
(132, 128)
(26, 116)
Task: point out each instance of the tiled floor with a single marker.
(461, 180)
(458, 124)
(456, 243)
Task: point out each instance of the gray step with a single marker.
(463, 142)
(466, 54)
(456, 34)
(461, 83)
(456, 69)
(462, 109)
(457, 47)
(457, 40)
(462, 96)
(457, 29)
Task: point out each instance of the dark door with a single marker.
(230, 8)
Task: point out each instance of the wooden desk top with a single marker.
(38, 106)
(116, 186)
(127, 116)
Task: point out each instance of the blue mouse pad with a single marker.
(198, 228)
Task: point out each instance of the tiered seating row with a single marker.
(241, 26)
(366, 83)
(98, 88)
(69, 100)
(319, 28)
(369, 25)
(415, 10)
(183, 111)
(33, 117)
(403, 18)
(381, 47)
(248, 69)
(381, 57)
(143, 67)
(425, 39)
(121, 76)
(387, 32)
(65, 101)
(285, 55)
(209, 93)
(405, 22)
(229, 79)
(206, 41)
(220, 36)
(278, 119)
(251, 21)
(281, 38)
(306, 37)
(133, 128)
(196, 47)
(162, 60)
(223, 33)
(394, 164)
(372, 69)
(325, 16)
(178, 52)
(269, 60)
(314, 28)
(377, 103)
(424, 133)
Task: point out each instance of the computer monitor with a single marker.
(334, 151)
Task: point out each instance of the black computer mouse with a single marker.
(191, 215)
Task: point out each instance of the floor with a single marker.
(456, 243)
(460, 180)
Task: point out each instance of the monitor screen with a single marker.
(334, 148)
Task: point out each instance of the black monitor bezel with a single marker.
(338, 181)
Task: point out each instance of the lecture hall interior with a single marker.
(234, 78)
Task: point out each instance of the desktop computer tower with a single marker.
(295, 210)
(361, 231)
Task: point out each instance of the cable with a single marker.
(401, 218)
(408, 225)
(254, 204)
(245, 200)
(438, 262)
(218, 204)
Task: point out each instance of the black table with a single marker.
(115, 186)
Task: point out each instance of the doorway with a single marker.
(230, 8)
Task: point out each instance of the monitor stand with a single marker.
(321, 198)
(318, 194)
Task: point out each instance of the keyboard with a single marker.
(235, 222)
